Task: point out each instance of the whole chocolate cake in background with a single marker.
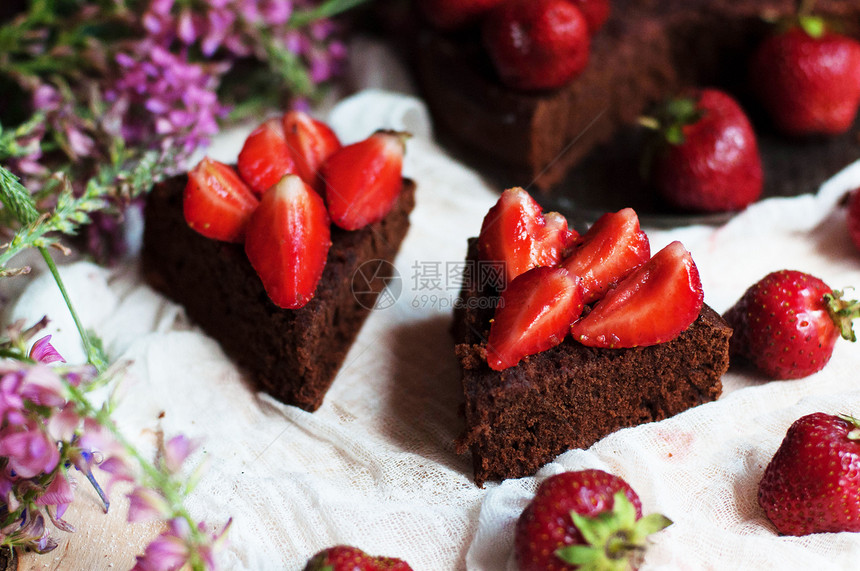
(580, 144)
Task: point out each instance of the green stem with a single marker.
(325, 10)
(93, 356)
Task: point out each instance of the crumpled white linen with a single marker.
(375, 466)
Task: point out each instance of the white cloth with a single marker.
(375, 466)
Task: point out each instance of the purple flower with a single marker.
(176, 450)
(44, 352)
(169, 551)
(173, 548)
(32, 533)
(58, 493)
(146, 504)
(29, 450)
(62, 117)
(11, 402)
(42, 386)
(171, 103)
(64, 423)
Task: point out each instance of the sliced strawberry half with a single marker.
(265, 157)
(288, 240)
(611, 250)
(363, 180)
(534, 314)
(516, 234)
(311, 142)
(216, 202)
(652, 305)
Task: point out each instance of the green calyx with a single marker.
(842, 312)
(615, 539)
(672, 117)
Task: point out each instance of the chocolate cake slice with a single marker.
(570, 396)
(581, 141)
(293, 355)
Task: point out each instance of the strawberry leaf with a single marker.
(612, 538)
(843, 312)
(651, 523)
(581, 555)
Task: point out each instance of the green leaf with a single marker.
(16, 198)
(624, 510)
(578, 554)
(328, 9)
(651, 523)
(593, 529)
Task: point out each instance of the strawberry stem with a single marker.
(649, 123)
(854, 434)
(842, 312)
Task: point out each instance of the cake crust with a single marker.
(294, 355)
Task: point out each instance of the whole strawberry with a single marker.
(787, 323)
(707, 159)
(347, 558)
(808, 78)
(812, 484)
(537, 44)
(586, 518)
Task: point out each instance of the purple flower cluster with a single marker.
(157, 88)
(179, 545)
(38, 443)
(234, 29)
(43, 435)
(166, 102)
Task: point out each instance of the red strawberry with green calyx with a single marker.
(588, 519)
(812, 484)
(807, 77)
(787, 324)
(348, 558)
(706, 158)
